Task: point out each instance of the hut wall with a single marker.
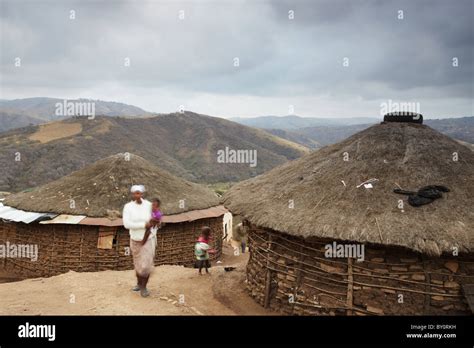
(293, 276)
(74, 247)
(175, 242)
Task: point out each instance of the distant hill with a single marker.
(12, 119)
(297, 122)
(23, 112)
(461, 128)
(458, 128)
(184, 144)
(296, 137)
(327, 135)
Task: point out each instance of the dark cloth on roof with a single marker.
(424, 195)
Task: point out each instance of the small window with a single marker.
(106, 239)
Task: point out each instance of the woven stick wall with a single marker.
(74, 247)
(293, 276)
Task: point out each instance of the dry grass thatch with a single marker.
(407, 155)
(102, 189)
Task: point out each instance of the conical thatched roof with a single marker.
(403, 154)
(102, 189)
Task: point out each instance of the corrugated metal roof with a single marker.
(65, 219)
(30, 217)
(9, 213)
(196, 215)
(12, 214)
(4, 210)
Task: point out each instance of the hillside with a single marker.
(459, 128)
(183, 144)
(23, 112)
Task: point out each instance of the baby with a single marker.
(155, 221)
(156, 214)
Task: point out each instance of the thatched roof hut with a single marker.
(101, 189)
(300, 210)
(328, 203)
(76, 221)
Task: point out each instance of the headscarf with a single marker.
(137, 188)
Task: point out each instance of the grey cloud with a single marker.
(278, 57)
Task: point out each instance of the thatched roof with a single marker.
(408, 155)
(102, 188)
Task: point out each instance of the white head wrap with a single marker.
(137, 188)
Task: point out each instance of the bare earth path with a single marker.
(175, 290)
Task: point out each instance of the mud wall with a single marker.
(75, 247)
(292, 276)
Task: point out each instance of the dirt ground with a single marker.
(175, 290)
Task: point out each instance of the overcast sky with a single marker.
(282, 61)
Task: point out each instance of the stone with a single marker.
(418, 277)
(196, 311)
(330, 269)
(437, 298)
(415, 268)
(377, 259)
(281, 261)
(399, 269)
(409, 260)
(453, 266)
(374, 310)
(388, 291)
(452, 285)
(448, 307)
(381, 270)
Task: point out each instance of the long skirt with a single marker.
(143, 255)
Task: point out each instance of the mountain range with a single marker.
(316, 136)
(293, 122)
(48, 146)
(18, 113)
(185, 144)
